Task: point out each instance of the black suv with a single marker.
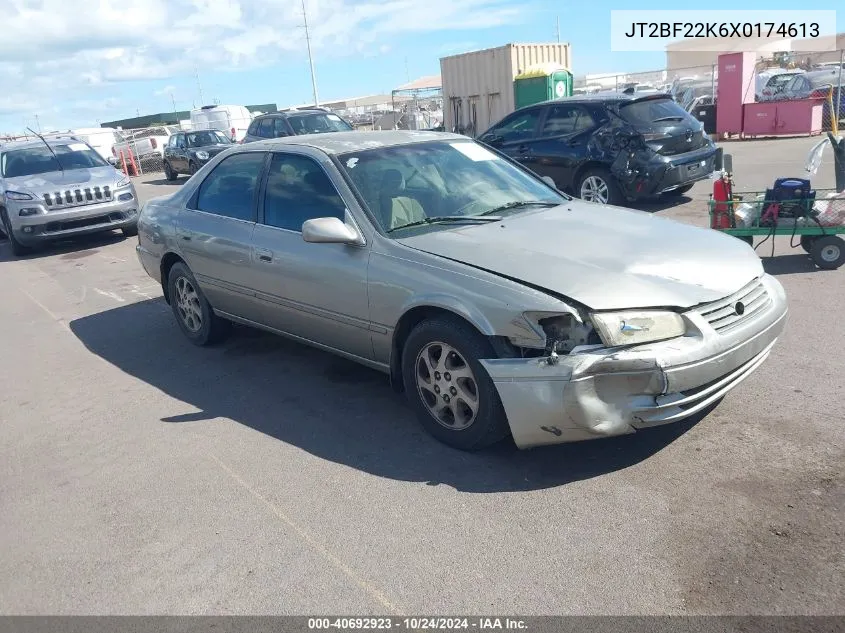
(294, 122)
(609, 148)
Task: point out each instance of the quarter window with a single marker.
(230, 189)
(298, 190)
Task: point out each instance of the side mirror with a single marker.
(330, 231)
(549, 181)
(492, 140)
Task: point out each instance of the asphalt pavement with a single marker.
(142, 475)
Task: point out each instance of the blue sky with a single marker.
(129, 56)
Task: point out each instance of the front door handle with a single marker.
(264, 255)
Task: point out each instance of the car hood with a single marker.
(603, 257)
(71, 178)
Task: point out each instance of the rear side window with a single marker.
(230, 189)
(566, 119)
(280, 128)
(647, 113)
(252, 130)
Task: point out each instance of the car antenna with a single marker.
(58, 162)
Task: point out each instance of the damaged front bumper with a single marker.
(606, 392)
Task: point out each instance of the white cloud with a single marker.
(167, 90)
(57, 52)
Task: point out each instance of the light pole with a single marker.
(310, 58)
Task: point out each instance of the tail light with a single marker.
(154, 143)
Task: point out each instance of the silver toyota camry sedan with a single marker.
(496, 303)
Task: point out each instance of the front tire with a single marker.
(193, 313)
(598, 185)
(130, 231)
(192, 166)
(18, 249)
(452, 395)
(168, 172)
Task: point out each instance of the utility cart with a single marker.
(817, 222)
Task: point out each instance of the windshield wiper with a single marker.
(518, 204)
(444, 218)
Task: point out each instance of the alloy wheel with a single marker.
(447, 386)
(595, 189)
(188, 304)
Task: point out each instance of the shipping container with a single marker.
(478, 87)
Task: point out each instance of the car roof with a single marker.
(293, 113)
(53, 142)
(609, 96)
(343, 142)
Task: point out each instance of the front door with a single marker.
(514, 135)
(314, 291)
(215, 232)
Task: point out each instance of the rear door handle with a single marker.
(264, 255)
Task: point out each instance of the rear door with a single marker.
(314, 291)
(561, 144)
(215, 232)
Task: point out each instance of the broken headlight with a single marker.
(564, 332)
(637, 326)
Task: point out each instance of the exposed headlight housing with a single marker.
(202, 155)
(122, 182)
(637, 326)
(18, 195)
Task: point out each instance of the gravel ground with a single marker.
(142, 475)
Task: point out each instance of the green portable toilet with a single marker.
(541, 83)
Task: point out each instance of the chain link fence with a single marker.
(817, 76)
(141, 151)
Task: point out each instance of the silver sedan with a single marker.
(498, 304)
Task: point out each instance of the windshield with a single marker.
(779, 81)
(645, 113)
(409, 183)
(31, 161)
(206, 137)
(318, 123)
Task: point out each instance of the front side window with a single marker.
(35, 160)
(229, 190)
(265, 128)
(517, 127)
(459, 179)
(298, 189)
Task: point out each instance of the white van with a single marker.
(101, 139)
(232, 120)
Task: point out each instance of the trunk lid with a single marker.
(665, 126)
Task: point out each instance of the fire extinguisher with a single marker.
(722, 216)
(234, 135)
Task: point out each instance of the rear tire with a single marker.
(452, 395)
(598, 185)
(193, 313)
(168, 172)
(807, 242)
